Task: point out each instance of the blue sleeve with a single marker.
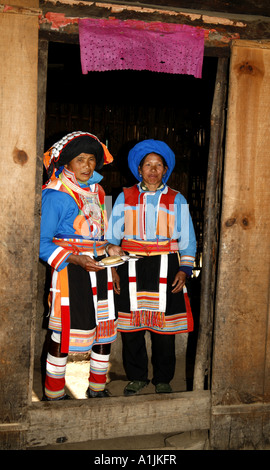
(57, 207)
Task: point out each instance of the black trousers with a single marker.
(135, 359)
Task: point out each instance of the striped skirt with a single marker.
(82, 308)
(146, 301)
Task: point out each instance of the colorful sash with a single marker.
(82, 245)
(91, 220)
(140, 247)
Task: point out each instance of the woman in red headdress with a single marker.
(73, 221)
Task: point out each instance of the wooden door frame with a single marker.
(240, 394)
(151, 412)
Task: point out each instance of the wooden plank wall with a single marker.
(18, 110)
(128, 123)
(241, 366)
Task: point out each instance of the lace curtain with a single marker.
(110, 44)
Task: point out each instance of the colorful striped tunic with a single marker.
(81, 303)
(156, 226)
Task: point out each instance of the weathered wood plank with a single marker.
(241, 368)
(82, 420)
(61, 18)
(39, 334)
(211, 227)
(18, 109)
(251, 7)
(240, 427)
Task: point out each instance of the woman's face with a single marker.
(82, 166)
(152, 171)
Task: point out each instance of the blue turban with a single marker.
(145, 147)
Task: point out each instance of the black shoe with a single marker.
(101, 394)
(134, 387)
(163, 388)
(65, 397)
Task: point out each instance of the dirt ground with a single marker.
(77, 373)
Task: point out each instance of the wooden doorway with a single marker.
(189, 136)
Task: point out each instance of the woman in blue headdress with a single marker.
(152, 223)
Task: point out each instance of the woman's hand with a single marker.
(179, 282)
(114, 250)
(116, 281)
(86, 262)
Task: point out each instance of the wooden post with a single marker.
(241, 363)
(19, 258)
(211, 228)
(40, 333)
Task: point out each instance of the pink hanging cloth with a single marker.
(110, 44)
